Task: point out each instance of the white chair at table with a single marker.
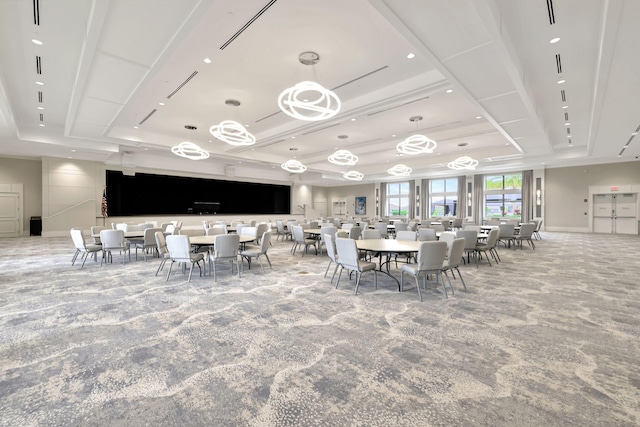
(95, 233)
(407, 236)
(525, 234)
(355, 232)
(430, 260)
(225, 248)
(250, 231)
(506, 234)
(427, 235)
(163, 252)
(454, 258)
(299, 239)
(326, 229)
(215, 230)
(261, 228)
(470, 236)
(349, 259)
(148, 241)
(370, 234)
(113, 240)
(265, 241)
(180, 251)
(281, 230)
(536, 232)
(401, 226)
(329, 241)
(489, 247)
(82, 247)
(382, 228)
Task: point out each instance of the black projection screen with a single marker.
(150, 194)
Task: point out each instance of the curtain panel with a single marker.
(478, 199)
(527, 196)
(462, 197)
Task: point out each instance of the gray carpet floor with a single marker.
(549, 337)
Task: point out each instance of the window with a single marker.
(443, 197)
(503, 196)
(398, 199)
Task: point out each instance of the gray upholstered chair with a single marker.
(430, 260)
(163, 251)
(147, 242)
(258, 252)
(506, 234)
(225, 248)
(454, 258)
(329, 240)
(299, 240)
(489, 247)
(525, 234)
(349, 259)
(382, 227)
(470, 238)
(180, 251)
(82, 247)
(427, 235)
(113, 240)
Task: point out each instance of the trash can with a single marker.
(35, 226)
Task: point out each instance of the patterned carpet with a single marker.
(549, 337)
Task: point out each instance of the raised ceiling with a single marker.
(484, 79)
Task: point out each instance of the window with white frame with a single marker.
(443, 197)
(397, 199)
(503, 196)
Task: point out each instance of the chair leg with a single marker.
(440, 279)
(358, 276)
(190, 271)
(261, 266)
(75, 256)
(327, 270)
(418, 288)
(161, 265)
(268, 260)
(339, 276)
(461, 279)
(169, 272)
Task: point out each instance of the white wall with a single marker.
(28, 173)
(566, 192)
(350, 192)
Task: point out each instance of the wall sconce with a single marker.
(538, 198)
(468, 199)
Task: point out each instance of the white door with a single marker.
(625, 221)
(9, 215)
(615, 213)
(603, 210)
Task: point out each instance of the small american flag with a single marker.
(105, 212)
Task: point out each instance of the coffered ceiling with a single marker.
(120, 80)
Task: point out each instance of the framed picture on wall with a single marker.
(361, 205)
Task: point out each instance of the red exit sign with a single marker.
(614, 188)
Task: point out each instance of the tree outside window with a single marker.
(443, 197)
(503, 196)
(397, 199)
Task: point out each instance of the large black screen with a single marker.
(149, 194)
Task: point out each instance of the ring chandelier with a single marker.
(190, 151)
(400, 170)
(343, 158)
(353, 175)
(293, 166)
(309, 101)
(232, 133)
(463, 163)
(416, 144)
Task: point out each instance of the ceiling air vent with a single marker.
(36, 12)
(245, 26)
(40, 97)
(361, 77)
(148, 115)
(558, 64)
(181, 85)
(563, 96)
(552, 15)
(38, 65)
(398, 106)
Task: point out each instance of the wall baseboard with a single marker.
(568, 229)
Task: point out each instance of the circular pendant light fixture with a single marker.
(416, 144)
(353, 175)
(463, 163)
(293, 166)
(233, 133)
(400, 170)
(309, 100)
(343, 158)
(190, 151)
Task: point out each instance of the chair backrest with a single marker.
(96, 229)
(78, 238)
(262, 228)
(161, 243)
(438, 227)
(313, 224)
(431, 255)
(252, 223)
(249, 231)
(494, 222)
(226, 245)
(470, 238)
(427, 234)
(216, 230)
(457, 223)
(331, 247)
(121, 226)
(264, 241)
(506, 230)
(112, 239)
(538, 224)
(456, 251)
(473, 227)
(179, 247)
(448, 237)
(297, 232)
(164, 226)
(369, 234)
(150, 235)
(401, 226)
(170, 229)
(280, 226)
(492, 238)
(526, 230)
(240, 227)
(412, 225)
(347, 253)
(342, 234)
(382, 228)
(328, 229)
(347, 226)
(355, 232)
(406, 235)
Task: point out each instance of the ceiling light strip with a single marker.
(181, 85)
(361, 77)
(245, 26)
(319, 129)
(398, 106)
(148, 115)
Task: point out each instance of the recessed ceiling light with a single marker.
(73, 151)
(478, 117)
(554, 40)
(567, 124)
(40, 83)
(36, 41)
(135, 127)
(561, 81)
(568, 136)
(393, 136)
(411, 55)
(160, 103)
(41, 125)
(207, 60)
(146, 149)
(449, 90)
(564, 107)
(634, 133)
(353, 119)
(40, 108)
(293, 137)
